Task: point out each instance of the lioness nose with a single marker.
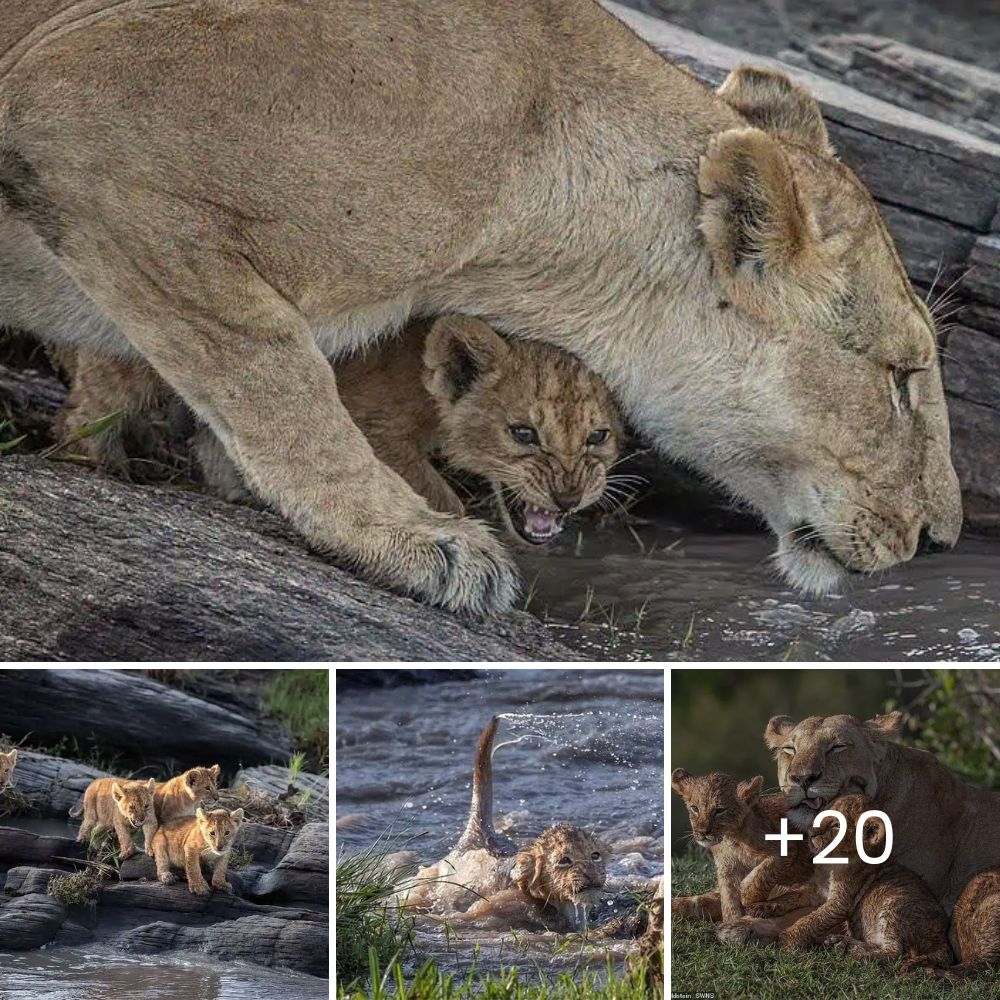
(805, 780)
(567, 500)
(928, 544)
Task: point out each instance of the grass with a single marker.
(76, 889)
(430, 983)
(700, 962)
(300, 700)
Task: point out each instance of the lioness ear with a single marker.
(771, 102)
(679, 779)
(759, 233)
(749, 791)
(777, 729)
(886, 727)
(527, 871)
(458, 351)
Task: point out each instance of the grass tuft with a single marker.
(76, 889)
(300, 700)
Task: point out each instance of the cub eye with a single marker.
(596, 856)
(694, 809)
(523, 433)
(789, 750)
(564, 863)
(598, 436)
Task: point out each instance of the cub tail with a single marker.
(479, 832)
(77, 811)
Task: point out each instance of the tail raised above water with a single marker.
(479, 832)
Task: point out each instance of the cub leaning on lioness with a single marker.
(183, 843)
(528, 418)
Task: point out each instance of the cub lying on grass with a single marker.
(182, 843)
(113, 803)
(890, 911)
(7, 763)
(975, 926)
(181, 796)
(731, 819)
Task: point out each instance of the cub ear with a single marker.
(215, 769)
(12, 756)
(771, 102)
(755, 225)
(236, 816)
(151, 784)
(458, 351)
(873, 835)
(777, 729)
(117, 792)
(886, 727)
(190, 778)
(527, 871)
(200, 814)
(749, 791)
(678, 779)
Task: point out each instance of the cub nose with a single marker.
(805, 780)
(568, 499)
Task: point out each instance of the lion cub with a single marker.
(731, 819)
(975, 925)
(890, 910)
(7, 763)
(528, 418)
(182, 843)
(125, 806)
(181, 796)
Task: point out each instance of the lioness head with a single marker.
(564, 865)
(200, 783)
(852, 808)
(716, 803)
(219, 827)
(134, 800)
(528, 417)
(826, 409)
(7, 762)
(822, 758)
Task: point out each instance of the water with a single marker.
(715, 597)
(95, 974)
(589, 752)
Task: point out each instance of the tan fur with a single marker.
(529, 162)
(891, 913)
(975, 926)
(124, 806)
(731, 818)
(944, 829)
(182, 795)
(452, 385)
(184, 843)
(8, 761)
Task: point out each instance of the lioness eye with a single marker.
(598, 436)
(838, 747)
(564, 862)
(523, 434)
(596, 856)
(901, 389)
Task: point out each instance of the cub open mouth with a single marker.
(536, 525)
(815, 804)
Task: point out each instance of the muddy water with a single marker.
(590, 752)
(716, 596)
(93, 974)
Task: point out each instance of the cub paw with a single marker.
(200, 889)
(167, 878)
(223, 887)
(746, 931)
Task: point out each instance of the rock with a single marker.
(300, 943)
(53, 785)
(133, 714)
(975, 436)
(310, 792)
(267, 844)
(94, 569)
(24, 881)
(972, 371)
(29, 921)
(23, 845)
(303, 874)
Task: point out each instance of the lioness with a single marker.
(124, 806)
(944, 830)
(527, 417)
(732, 819)
(237, 191)
(183, 843)
(554, 880)
(7, 763)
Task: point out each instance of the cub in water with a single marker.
(7, 764)
(552, 881)
(112, 803)
(183, 843)
(731, 818)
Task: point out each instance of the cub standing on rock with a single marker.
(7, 762)
(122, 805)
(182, 843)
(181, 796)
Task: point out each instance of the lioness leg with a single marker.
(251, 371)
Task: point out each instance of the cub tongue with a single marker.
(542, 523)
(816, 804)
